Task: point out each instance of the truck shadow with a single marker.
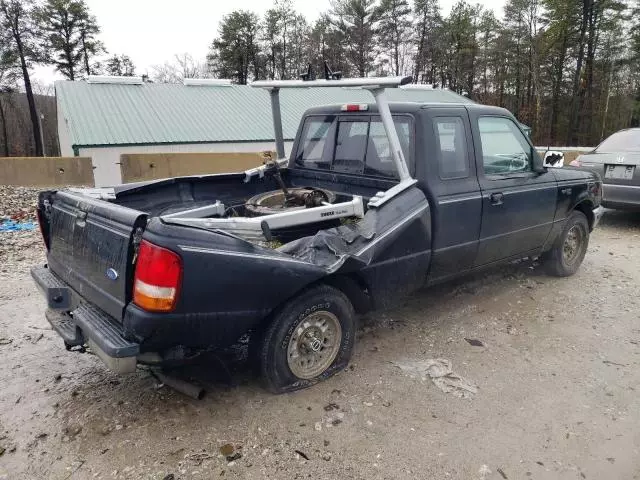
(229, 373)
(232, 368)
(621, 219)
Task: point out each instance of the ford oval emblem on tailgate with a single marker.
(112, 274)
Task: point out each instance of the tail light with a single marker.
(157, 278)
(577, 162)
(596, 190)
(43, 224)
(354, 107)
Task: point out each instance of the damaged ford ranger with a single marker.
(374, 201)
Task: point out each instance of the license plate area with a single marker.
(619, 172)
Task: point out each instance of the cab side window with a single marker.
(504, 147)
(453, 160)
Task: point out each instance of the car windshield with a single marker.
(623, 141)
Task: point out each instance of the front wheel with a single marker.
(309, 339)
(569, 249)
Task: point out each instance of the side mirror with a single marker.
(537, 161)
(553, 159)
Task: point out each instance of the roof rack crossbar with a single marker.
(382, 82)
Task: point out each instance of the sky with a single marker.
(153, 31)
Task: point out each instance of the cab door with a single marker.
(452, 181)
(518, 204)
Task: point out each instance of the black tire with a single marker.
(557, 262)
(275, 342)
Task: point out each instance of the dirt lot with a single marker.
(557, 397)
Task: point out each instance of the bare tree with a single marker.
(9, 74)
(182, 66)
(16, 21)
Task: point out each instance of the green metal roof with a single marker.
(116, 114)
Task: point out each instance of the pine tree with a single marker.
(234, 53)
(357, 22)
(394, 17)
(69, 35)
(427, 22)
(120, 65)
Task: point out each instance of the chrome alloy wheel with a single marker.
(572, 245)
(314, 344)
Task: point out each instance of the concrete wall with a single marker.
(148, 166)
(106, 161)
(45, 171)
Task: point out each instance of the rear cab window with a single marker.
(353, 144)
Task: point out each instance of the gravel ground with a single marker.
(18, 203)
(18, 249)
(556, 375)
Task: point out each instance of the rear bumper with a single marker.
(624, 197)
(79, 323)
(597, 215)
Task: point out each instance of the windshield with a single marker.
(623, 141)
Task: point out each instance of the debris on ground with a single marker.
(484, 471)
(474, 342)
(227, 449)
(198, 457)
(441, 374)
(302, 454)
(234, 457)
(72, 430)
(331, 406)
(502, 474)
(13, 226)
(34, 338)
(609, 362)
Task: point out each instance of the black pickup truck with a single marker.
(375, 201)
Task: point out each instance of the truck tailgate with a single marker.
(91, 248)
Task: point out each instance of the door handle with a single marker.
(497, 199)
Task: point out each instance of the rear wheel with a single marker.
(310, 339)
(567, 253)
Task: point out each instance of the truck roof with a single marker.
(408, 107)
